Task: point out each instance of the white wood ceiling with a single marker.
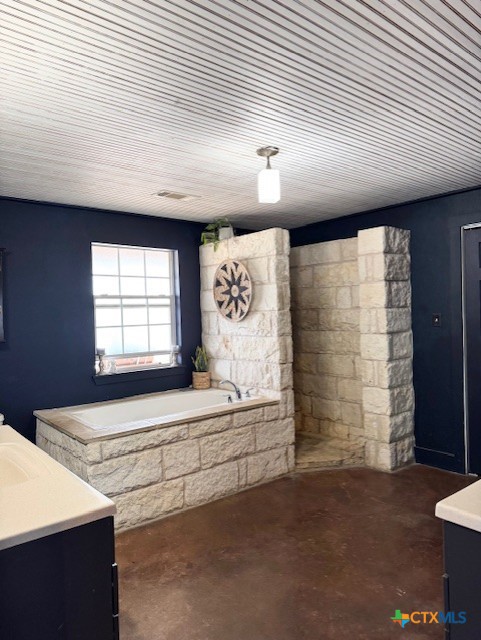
(372, 102)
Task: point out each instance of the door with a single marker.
(472, 345)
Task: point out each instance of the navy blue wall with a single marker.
(436, 284)
(47, 359)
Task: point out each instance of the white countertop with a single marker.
(463, 508)
(51, 498)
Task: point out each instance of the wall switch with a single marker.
(436, 320)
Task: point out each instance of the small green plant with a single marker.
(200, 360)
(210, 235)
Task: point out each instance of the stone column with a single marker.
(386, 346)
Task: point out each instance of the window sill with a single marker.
(141, 374)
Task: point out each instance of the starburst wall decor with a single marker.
(232, 290)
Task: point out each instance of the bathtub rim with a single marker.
(61, 419)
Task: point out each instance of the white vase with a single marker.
(225, 233)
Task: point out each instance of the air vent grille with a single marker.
(173, 195)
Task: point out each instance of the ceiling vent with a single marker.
(173, 195)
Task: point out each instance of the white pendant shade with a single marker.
(269, 185)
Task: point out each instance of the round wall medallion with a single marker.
(232, 290)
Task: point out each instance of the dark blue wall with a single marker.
(47, 359)
(436, 285)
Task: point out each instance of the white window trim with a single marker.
(172, 298)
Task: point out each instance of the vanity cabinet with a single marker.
(62, 586)
(462, 580)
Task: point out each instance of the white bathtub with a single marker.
(104, 420)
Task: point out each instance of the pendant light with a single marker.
(268, 180)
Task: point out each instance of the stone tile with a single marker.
(211, 484)
(225, 446)
(181, 459)
(150, 503)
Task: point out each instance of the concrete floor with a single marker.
(321, 555)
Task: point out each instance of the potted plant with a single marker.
(201, 375)
(220, 229)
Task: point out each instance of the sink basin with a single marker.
(18, 465)
(38, 496)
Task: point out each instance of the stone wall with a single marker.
(151, 474)
(351, 311)
(386, 346)
(256, 352)
(326, 332)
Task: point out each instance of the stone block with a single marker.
(271, 412)
(306, 362)
(348, 249)
(228, 445)
(302, 277)
(387, 457)
(291, 458)
(150, 503)
(260, 348)
(257, 323)
(386, 346)
(314, 298)
(207, 302)
(372, 295)
(208, 426)
(266, 465)
(279, 269)
(355, 296)
(386, 374)
(388, 428)
(343, 298)
(336, 430)
(242, 469)
(64, 457)
(89, 453)
(383, 240)
(207, 274)
(349, 389)
(384, 267)
(319, 386)
(211, 484)
(336, 365)
(274, 434)
(180, 459)
(318, 253)
(246, 247)
(327, 409)
(132, 471)
(210, 323)
(310, 424)
(142, 440)
(305, 319)
(398, 294)
(281, 323)
(259, 269)
(339, 319)
(220, 369)
(388, 401)
(249, 416)
(338, 342)
(335, 275)
(351, 414)
(385, 320)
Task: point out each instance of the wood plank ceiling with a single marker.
(372, 102)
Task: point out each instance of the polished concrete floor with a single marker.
(324, 555)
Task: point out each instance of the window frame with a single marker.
(173, 299)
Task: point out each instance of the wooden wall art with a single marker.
(232, 290)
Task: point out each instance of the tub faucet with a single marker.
(238, 393)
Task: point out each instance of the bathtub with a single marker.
(105, 420)
(158, 454)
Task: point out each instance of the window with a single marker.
(135, 307)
